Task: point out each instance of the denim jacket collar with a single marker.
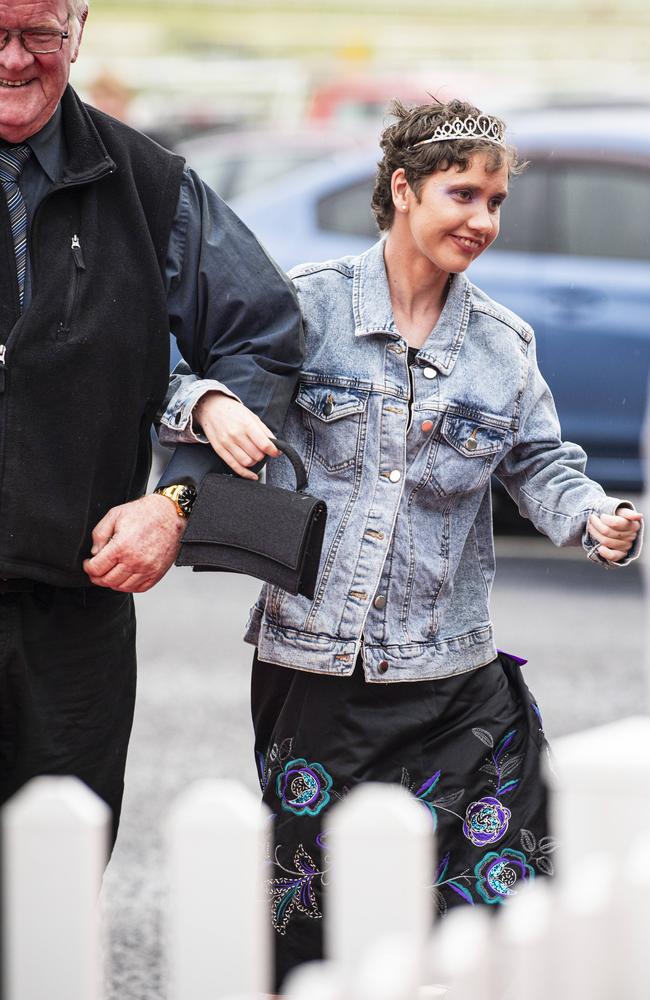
(373, 311)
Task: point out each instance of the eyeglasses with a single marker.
(38, 41)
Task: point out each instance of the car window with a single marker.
(524, 213)
(347, 210)
(601, 211)
(230, 176)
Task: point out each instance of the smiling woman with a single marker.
(416, 388)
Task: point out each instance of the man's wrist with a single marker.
(181, 495)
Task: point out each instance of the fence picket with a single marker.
(632, 924)
(389, 970)
(598, 803)
(218, 923)
(524, 933)
(380, 843)
(460, 955)
(55, 844)
(579, 953)
(315, 981)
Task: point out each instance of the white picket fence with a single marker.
(584, 935)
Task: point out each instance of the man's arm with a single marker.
(240, 292)
(236, 321)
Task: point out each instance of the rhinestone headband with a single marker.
(482, 127)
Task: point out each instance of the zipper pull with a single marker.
(75, 246)
(3, 366)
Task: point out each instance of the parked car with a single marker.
(573, 259)
(235, 162)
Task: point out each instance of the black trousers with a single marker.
(468, 747)
(67, 688)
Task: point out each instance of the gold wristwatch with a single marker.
(182, 497)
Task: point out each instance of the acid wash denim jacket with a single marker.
(408, 558)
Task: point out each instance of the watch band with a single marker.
(181, 495)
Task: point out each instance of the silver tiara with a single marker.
(482, 127)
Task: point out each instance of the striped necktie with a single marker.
(12, 161)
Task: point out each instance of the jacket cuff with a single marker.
(610, 505)
(176, 424)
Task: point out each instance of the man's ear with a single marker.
(82, 22)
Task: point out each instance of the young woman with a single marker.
(416, 387)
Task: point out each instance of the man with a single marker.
(107, 243)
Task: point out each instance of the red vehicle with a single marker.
(362, 99)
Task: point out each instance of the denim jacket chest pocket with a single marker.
(334, 419)
(466, 450)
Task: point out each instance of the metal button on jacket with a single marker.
(395, 476)
(329, 406)
(427, 425)
(429, 372)
(471, 443)
(382, 666)
(379, 602)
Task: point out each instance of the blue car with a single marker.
(573, 259)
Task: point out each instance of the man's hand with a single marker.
(135, 544)
(237, 435)
(616, 532)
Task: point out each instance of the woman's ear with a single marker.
(400, 190)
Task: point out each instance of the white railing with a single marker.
(584, 935)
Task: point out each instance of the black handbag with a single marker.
(244, 526)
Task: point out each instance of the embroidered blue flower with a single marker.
(497, 874)
(303, 788)
(486, 821)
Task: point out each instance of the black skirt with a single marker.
(468, 747)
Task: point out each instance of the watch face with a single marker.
(186, 498)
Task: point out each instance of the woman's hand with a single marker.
(616, 532)
(237, 435)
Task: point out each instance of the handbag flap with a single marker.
(252, 516)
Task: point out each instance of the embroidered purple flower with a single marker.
(498, 874)
(303, 788)
(486, 821)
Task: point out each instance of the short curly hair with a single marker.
(412, 125)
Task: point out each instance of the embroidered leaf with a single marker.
(449, 799)
(548, 844)
(489, 769)
(283, 894)
(303, 862)
(508, 787)
(528, 841)
(273, 752)
(428, 785)
(461, 891)
(442, 868)
(546, 865)
(504, 743)
(511, 765)
(308, 903)
(483, 736)
(406, 778)
(285, 749)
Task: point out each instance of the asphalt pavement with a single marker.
(582, 629)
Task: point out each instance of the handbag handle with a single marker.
(296, 461)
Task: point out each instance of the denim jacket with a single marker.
(408, 557)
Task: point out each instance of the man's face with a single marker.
(31, 85)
